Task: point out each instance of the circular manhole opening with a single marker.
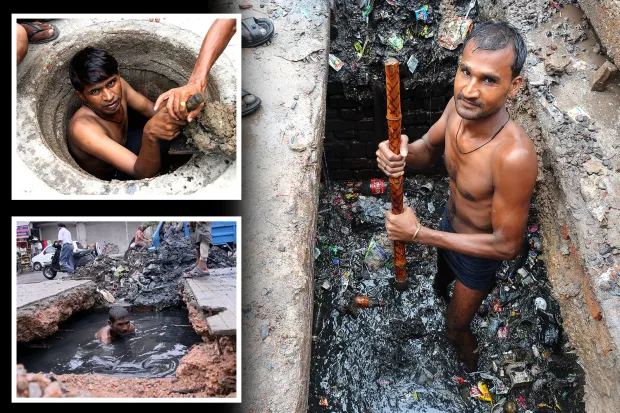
(153, 58)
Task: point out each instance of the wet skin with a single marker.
(490, 188)
(97, 132)
(114, 330)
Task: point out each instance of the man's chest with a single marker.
(471, 173)
(118, 131)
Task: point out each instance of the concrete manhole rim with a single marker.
(64, 178)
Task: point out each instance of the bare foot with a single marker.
(47, 32)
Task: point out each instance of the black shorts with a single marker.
(473, 272)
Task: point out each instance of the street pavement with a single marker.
(36, 277)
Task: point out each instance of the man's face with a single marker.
(105, 96)
(120, 326)
(484, 81)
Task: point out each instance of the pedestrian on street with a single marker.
(200, 236)
(66, 251)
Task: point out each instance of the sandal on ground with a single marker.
(196, 272)
(249, 102)
(255, 32)
(38, 29)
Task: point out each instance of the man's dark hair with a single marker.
(494, 35)
(60, 224)
(89, 66)
(117, 312)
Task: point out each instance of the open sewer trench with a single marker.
(397, 357)
(153, 58)
(162, 338)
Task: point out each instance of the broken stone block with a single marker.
(603, 76)
(53, 390)
(593, 167)
(556, 65)
(577, 34)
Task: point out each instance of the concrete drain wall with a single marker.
(152, 58)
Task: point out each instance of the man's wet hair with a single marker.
(91, 65)
(492, 35)
(60, 224)
(118, 312)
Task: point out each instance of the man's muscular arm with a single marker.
(514, 169)
(90, 137)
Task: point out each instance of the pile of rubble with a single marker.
(42, 385)
(398, 356)
(149, 278)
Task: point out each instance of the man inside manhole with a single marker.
(97, 132)
(492, 167)
(118, 326)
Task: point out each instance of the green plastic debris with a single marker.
(367, 10)
(358, 49)
(396, 42)
(426, 32)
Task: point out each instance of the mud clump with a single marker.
(215, 129)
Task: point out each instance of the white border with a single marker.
(233, 193)
(239, 340)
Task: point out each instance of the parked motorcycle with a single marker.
(80, 259)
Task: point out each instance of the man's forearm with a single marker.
(148, 163)
(476, 245)
(419, 155)
(214, 43)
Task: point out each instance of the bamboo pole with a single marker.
(394, 120)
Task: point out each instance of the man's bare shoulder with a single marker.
(103, 335)
(516, 152)
(515, 144)
(83, 118)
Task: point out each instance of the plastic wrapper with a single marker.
(335, 63)
(454, 32)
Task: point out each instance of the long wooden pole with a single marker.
(394, 120)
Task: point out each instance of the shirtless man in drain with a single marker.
(492, 166)
(118, 326)
(97, 132)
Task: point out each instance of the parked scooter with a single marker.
(80, 259)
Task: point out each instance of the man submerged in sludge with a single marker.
(118, 326)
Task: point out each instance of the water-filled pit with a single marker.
(155, 350)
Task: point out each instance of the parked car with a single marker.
(45, 256)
